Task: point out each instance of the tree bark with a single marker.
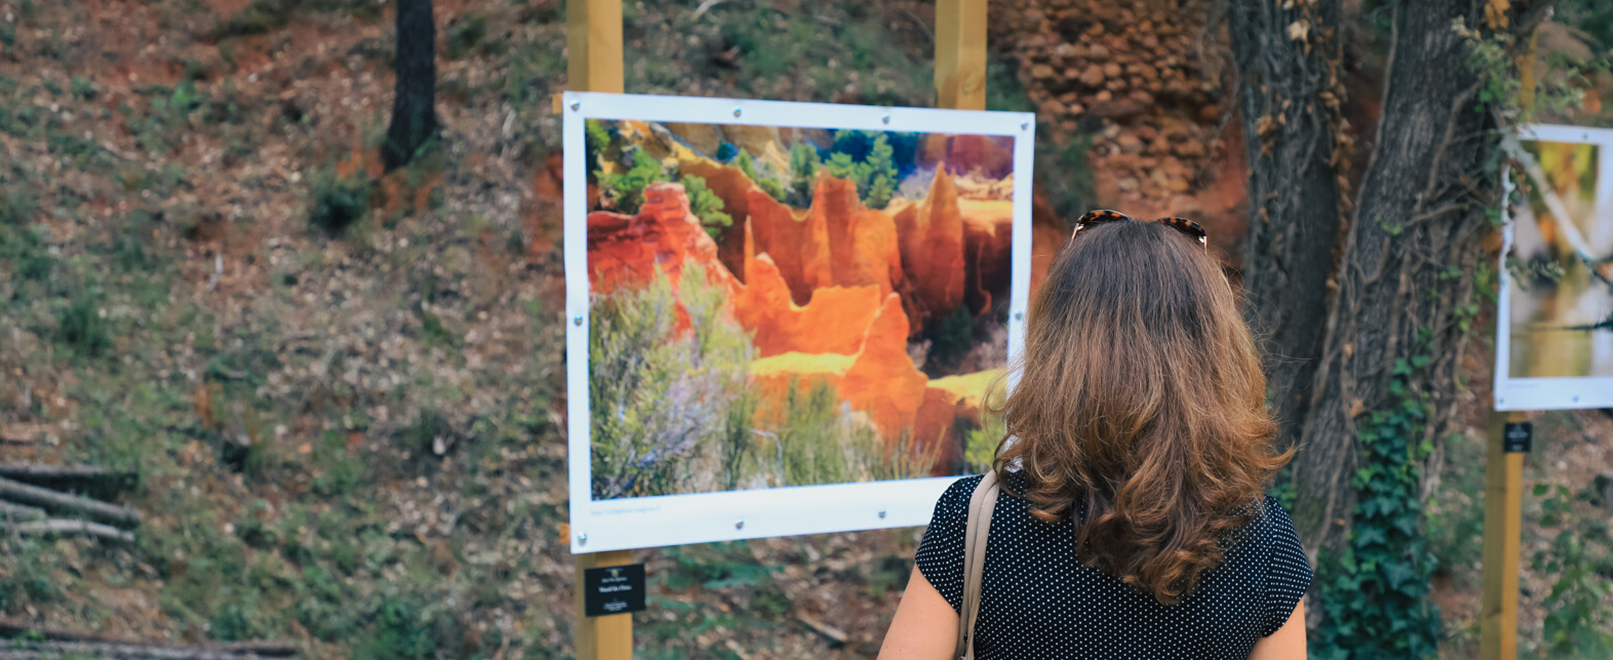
(1290, 93)
(1420, 213)
(414, 106)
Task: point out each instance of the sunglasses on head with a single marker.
(1187, 227)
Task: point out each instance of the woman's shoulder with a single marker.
(956, 498)
(1274, 515)
(1273, 526)
(964, 486)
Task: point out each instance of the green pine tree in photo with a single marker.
(804, 167)
(768, 184)
(706, 206)
(881, 174)
(626, 190)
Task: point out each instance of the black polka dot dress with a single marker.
(1038, 601)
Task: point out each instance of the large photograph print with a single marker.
(823, 299)
(1558, 272)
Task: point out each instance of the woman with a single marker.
(1138, 445)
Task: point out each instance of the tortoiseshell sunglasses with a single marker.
(1187, 227)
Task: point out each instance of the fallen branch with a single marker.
(53, 500)
(835, 636)
(21, 650)
(703, 8)
(10, 512)
(238, 650)
(60, 526)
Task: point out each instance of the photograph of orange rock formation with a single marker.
(777, 307)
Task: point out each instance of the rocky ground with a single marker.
(352, 439)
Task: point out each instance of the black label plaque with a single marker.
(1518, 437)
(613, 590)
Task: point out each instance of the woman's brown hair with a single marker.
(1140, 395)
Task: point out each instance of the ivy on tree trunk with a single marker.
(1384, 391)
(414, 111)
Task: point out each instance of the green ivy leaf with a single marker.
(1367, 535)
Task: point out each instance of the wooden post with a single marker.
(608, 637)
(594, 46)
(1526, 77)
(1503, 521)
(594, 64)
(960, 54)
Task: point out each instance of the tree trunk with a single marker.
(1384, 389)
(1290, 90)
(1406, 281)
(414, 110)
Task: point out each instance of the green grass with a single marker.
(465, 35)
(1456, 511)
(338, 202)
(257, 18)
(29, 575)
(81, 326)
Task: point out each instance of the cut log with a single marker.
(34, 471)
(89, 480)
(64, 527)
(264, 648)
(56, 501)
(24, 434)
(11, 512)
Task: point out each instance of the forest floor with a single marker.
(353, 440)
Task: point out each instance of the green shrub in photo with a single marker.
(626, 190)
(821, 440)
(867, 159)
(660, 395)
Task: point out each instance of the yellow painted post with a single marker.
(594, 64)
(960, 54)
(1503, 522)
(594, 46)
(608, 637)
(1526, 76)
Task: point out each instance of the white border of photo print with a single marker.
(644, 522)
(1520, 393)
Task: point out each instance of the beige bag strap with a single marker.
(977, 530)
